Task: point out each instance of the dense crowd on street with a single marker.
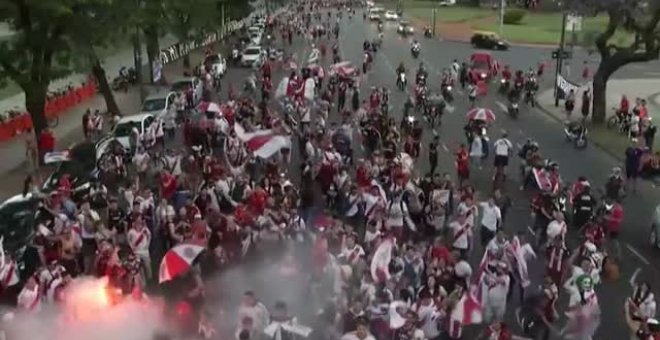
(308, 177)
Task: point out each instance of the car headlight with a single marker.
(483, 75)
(411, 119)
(448, 88)
(503, 81)
(514, 105)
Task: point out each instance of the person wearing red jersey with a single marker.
(613, 219)
(462, 164)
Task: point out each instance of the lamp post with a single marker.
(560, 56)
(502, 6)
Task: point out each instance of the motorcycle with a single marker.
(420, 103)
(415, 51)
(380, 27)
(620, 121)
(421, 79)
(576, 133)
(445, 90)
(401, 81)
(504, 85)
(513, 109)
(530, 97)
(428, 33)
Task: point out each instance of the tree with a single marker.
(90, 32)
(190, 19)
(637, 17)
(40, 50)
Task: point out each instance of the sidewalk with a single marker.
(112, 64)
(609, 140)
(69, 129)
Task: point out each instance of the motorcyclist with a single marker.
(401, 68)
(583, 207)
(421, 72)
(614, 188)
(447, 79)
(365, 45)
(506, 73)
(408, 105)
(415, 45)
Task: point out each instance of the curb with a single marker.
(598, 145)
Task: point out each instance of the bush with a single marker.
(514, 16)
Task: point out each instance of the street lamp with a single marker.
(560, 56)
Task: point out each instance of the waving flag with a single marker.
(467, 311)
(267, 145)
(521, 263)
(542, 179)
(380, 263)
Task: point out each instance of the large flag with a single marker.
(268, 145)
(542, 179)
(467, 311)
(518, 254)
(380, 263)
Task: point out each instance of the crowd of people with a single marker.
(383, 252)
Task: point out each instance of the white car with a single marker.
(370, 4)
(405, 28)
(157, 105)
(215, 64)
(122, 130)
(446, 3)
(391, 16)
(255, 38)
(194, 84)
(252, 55)
(254, 29)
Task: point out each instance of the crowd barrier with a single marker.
(21, 122)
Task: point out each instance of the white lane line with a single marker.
(450, 108)
(502, 106)
(531, 231)
(444, 147)
(636, 253)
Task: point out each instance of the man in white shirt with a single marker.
(497, 285)
(556, 228)
(461, 234)
(139, 238)
(503, 148)
(141, 161)
(491, 218)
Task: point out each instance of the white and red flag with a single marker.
(380, 262)
(468, 311)
(177, 261)
(262, 143)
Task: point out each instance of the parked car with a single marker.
(194, 84)
(215, 64)
(446, 3)
(391, 16)
(489, 40)
(125, 126)
(19, 216)
(81, 168)
(252, 55)
(405, 28)
(157, 104)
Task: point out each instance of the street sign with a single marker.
(573, 23)
(564, 54)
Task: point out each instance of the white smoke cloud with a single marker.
(88, 314)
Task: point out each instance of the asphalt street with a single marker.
(532, 123)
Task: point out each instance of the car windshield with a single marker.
(252, 51)
(212, 59)
(155, 104)
(124, 129)
(180, 86)
(17, 222)
(480, 65)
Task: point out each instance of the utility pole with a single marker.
(435, 8)
(502, 5)
(560, 56)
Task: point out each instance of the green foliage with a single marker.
(514, 16)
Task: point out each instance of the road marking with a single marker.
(502, 106)
(450, 108)
(636, 253)
(444, 147)
(531, 231)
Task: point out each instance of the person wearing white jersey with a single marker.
(502, 148)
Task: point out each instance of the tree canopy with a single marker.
(640, 19)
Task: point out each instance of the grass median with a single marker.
(535, 27)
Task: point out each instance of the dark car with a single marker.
(81, 168)
(488, 40)
(17, 221)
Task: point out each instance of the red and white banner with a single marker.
(177, 261)
(380, 263)
(267, 145)
(467, 311)
(542, 179)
